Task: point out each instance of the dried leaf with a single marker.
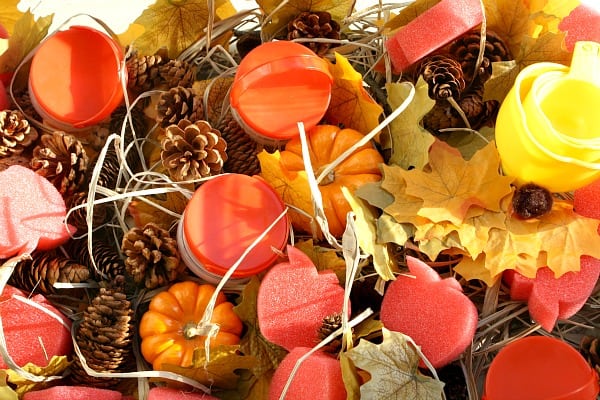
(394, 369)
(268, 355)
(324, 258)
(451, 185)
(56, 366)
(547, 47)
(218, 90)
(503, 77)
(132, 33)
(410, 12)
(511, 20)
(176, 24)
(410, 141)
(279, 17)
(142, 212)
(350, 104)
(5, 391)
(10, 14)
(350, 377)
(220, 371)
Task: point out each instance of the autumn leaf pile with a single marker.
(441, 196)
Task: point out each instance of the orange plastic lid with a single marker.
(225, 215)
(540, 368)
(279, 84)
(75, 76)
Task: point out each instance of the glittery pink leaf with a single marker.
(582, 24)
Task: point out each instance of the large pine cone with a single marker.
(143, 72)
(109, 265)
(193, 150)
(314, 24)
(62, 159)
(78, 216)
(178, 73)
(443, 75)
(44, 270)
(179, 103)
(104, 338)
(241, 148)
(465, 49)
(152, 257)
(16, 133)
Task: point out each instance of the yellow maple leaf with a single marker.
(511, 20)
(176, 24)
(350, 104)
(410, 141)
(291, 186)
(56, 366)
(404, 207)
(280, 14)
(451, 184)
(474, 232)
(547, 47)
(133, 32)
(409, 13)
(324, 258)
(472, 269)
(10, 14)
(143, 212)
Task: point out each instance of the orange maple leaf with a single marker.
(350, 104)
(450, 185)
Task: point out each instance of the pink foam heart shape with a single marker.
(582, 24)
(433, 311)
(319, 377)
(293, 299)
(33, 335)
(550, 298)
(73, 393)
(32, 213)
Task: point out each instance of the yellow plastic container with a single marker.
(548, 127)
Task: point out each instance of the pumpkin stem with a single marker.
(326, 179)
(192, 330)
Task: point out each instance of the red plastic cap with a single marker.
(75, 76)
(225, 215)
(279, 84)
(540, 368)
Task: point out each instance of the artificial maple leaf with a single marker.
(28, 33)
(410, 141)
(218, 90)
(142, 212)
(280, 14)
(509, 19)
(133, 32)
(56, 367)
(268, 355)
(451, 185)
(10, 14)
(176, 24)
(324, 258)
(408, 13)
(288, 184)
(6, 391)
(474, 232)
(366, 231)
(394, 368)
(474, 269)
(351, 105)
(219, 371)
(504, 74)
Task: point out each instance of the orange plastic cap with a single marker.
(75, 77)
(277, 85)
(540, 368)
(225, 215)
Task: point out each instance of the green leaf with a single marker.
(394, 369)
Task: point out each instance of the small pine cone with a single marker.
(314, 24)
(143, 72)
(443, 75)
(152, 257)
(109, 173)
(104, 338)
(178, 73)
(590, 349)
(44, 270)
(16, 133)
(177, 104)
(109, 264)
(62, 159)
(77, 218)
(465, 49)
(193, 150)
(247, 42)
(330, 324)
(241, 148)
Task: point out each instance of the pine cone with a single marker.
(465, 49)
(109, 173)
(443, 76)
(77, 218)
(143, 72)
(62, 159)
(247, 42)
(178, 73)
(44, 270)
(152, 257)
(193, 150)
(110, 266)
(23, 99)
(177, 104)
(590, 349)
(314, 24)
(241, 148)
(104, 338)
(330, 324)
(16, 133)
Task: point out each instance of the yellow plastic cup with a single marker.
(546, 127)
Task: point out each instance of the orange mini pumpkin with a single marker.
(166, 329)
(325, 144)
